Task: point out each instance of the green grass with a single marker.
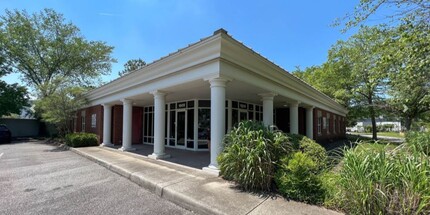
(386, 134)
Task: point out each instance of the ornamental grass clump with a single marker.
(250, 155)
(381, 181)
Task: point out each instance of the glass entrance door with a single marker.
(181, 117)
(243, 115)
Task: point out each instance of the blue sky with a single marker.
(290, 33)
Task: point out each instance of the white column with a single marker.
(294, 118)
(310, 122)
(159, 125)
(126, 125)
(268, 108)
(107, 122)
(217, 119)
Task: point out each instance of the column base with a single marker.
(107, 144)
(127, 149)
(158, 156)
(212, 170)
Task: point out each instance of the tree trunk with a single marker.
(374, 128)
(408, 123)
(372, 117)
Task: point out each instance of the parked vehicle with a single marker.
(5, 134)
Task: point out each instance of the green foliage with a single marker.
(380, 181)
(49, 52)
(251, 153)
(297, 179)
(12, 98)
(417, 10)
(310, 148)
(419, 142)
(81, 139)
(60, 107)
(407, 56)
(132, 65)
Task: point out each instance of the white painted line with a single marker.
(1, 154)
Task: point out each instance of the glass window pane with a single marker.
(172, 124)
(190, 124)
(190, 104)
(173, 106)
(234, 104)
(204, 103)
(235, 118)
(204, 124)
(250, 115)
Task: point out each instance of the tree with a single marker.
(416, 10)
(353, 75)
(407, 55)
(43, 48)
(60, 107)
(13, 98)
(132, 65)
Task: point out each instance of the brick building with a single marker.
(199, 93)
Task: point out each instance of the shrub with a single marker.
(81, 139)
(311, 148)
(419, 142)
(297, 179)
(377, 182)
(250, 155)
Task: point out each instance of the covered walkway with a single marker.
(194, 159)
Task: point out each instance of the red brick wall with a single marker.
(117, 124)
(137, 125)
(325, 136)
(98, 129)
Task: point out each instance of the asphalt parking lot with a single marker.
(36, 178)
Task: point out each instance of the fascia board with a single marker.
(205, 50)
(234, 51)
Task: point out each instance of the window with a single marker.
(148, 133)
(320, 122)
(83, 121)
(328, 123)
(93, 120)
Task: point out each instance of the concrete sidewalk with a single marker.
(191, 188)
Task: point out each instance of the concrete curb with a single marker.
(160, 190)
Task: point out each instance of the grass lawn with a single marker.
(386, 134)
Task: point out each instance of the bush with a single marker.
(419, 142)
(377, 182)
(297, 179)
(309, 147)
(251, 153)
(81, 139)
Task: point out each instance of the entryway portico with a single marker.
(202, 91)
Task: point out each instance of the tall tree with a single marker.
(13, 98)
(407, 55)
(361, 54)
(44, 49)
(60, 107)
(353, 75)
(417, 11)
(132, 65)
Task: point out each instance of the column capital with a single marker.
(268, 95)
(218, 81)
(107, 105)
(158, 93)
(126, 101)
(294, 104)
(310, 107)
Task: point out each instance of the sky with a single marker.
(289, 33)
